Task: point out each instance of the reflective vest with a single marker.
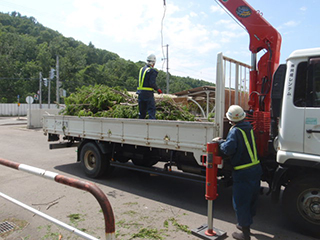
(142, 75)
(253, 155)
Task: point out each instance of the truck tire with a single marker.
(93, 162)
(301, 201)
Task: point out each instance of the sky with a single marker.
(195, 31)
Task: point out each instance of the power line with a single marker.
(164, 14)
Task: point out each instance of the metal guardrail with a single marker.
(86, 186)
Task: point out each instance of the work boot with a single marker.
(240, 228)
(244, 235)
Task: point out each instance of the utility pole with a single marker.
(57, 78)
(49, 91)
(51, 76)
(167, 68)
(40, 90)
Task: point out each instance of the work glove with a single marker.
(217, 139)
(159, 91)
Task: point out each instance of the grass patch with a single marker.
(179, 226)
(49, 234)
(166, 224)
(124, 224)
(130, 203)
(75, 219)
(146, 233)
(130, 213)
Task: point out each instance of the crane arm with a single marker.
(262, 36)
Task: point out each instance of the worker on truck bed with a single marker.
(147, 83)
(241, 148)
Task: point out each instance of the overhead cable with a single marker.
(164, 14)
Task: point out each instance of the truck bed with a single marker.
(171, 135)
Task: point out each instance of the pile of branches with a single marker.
(103, 101)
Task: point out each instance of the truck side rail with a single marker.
(164, 134)
(232, 87)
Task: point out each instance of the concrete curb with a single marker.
(13, 121)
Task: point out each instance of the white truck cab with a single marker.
(296, 106)
(299, 127)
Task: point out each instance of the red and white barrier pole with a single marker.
(86, 186)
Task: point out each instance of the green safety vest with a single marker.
(142, 75)
(253, 155)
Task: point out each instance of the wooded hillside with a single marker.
(28, 48)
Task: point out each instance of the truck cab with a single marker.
(296, 107)
(299, 126)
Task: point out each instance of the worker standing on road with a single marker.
(241, 148)
(147, 83)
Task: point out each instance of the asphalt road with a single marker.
(143, 205)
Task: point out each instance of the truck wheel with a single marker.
(93, 162)
(301, 200)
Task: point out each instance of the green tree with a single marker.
(27, 48)
(44, 57)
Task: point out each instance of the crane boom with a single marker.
(263, 36)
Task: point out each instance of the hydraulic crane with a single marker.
(263, 36)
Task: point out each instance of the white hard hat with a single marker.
(151, 58)
(235, 113)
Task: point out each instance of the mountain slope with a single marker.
(28, 48)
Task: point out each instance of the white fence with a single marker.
(12, 109)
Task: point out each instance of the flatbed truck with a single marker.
(284, 110)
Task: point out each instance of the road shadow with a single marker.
(189, 196)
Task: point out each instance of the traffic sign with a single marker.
(29, 100)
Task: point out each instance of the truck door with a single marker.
(312, 109)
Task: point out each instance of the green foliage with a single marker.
(94, 100)
(148, 233)
(49, 233)
(27, 48)
(179, 226)
(76, 218)
(167, 109)
(121, 111)
(104, 101)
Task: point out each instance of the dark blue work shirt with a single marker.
(149, 81)
(234, 146)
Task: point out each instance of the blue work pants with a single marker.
(246, 189)
(147, 104)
